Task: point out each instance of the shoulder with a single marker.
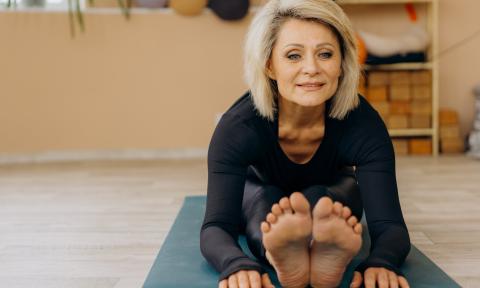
(243, 109)
(243, 116)
(366, 138)
(363, 114)
(238, 131)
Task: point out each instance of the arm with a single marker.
(230, 152)
(369, 147)
(390, 242)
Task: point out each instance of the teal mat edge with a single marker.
(162, 274)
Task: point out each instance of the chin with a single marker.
(312, 101)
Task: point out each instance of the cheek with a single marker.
(335, 70)
(288, 76)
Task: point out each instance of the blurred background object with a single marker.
(34, 3)
(151, 3)
(188, 7)
(229, 9)
(474, 136)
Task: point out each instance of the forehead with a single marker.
(305, 32)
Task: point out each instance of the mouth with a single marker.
(311, 86)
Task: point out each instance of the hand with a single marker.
(246, 279)
(384, 277)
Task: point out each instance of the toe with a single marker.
(323, 208)
(346, 212)
(285, 205)
(358, 228)
(337, 208)
(299, 203)
(277, 210)
(265, 227)
(352, 221)
(271, 218)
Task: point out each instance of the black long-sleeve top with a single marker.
(242, 138)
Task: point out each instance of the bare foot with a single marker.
(337, 237)
(286, 237)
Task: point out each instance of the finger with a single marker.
(232, 281)
(382, 279)
(357, 280)
(266, 282)
(223, 284)
(403, 282)
(393, 279)
(255, 281)
(243, 281)
(370, 278)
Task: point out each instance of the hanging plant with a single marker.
(75, 13)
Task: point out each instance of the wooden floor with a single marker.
(102, 224)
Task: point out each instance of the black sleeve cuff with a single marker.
(241, 264)
(380, 264)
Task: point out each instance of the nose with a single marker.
(310, 65)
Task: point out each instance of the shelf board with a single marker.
(401, 66)
(347, 2)
(410, 132)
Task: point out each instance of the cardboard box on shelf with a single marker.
(452, 145)
(400, 92)
(377, 93)
(400, 146)
(448, 117)
(363, 90)
(397, 122)
(400, 107)
(383, 107)
(421, 108)
(378, 78)
(420, 146)
(449, 131)
(399, 78)
(420, 121)
(421, 92)
(421, 77)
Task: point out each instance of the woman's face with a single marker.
(305, 62)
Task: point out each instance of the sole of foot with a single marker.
(286, 237)
(337, 238)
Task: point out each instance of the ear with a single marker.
(269, 70)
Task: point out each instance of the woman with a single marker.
(279, 161)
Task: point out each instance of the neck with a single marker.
(297, 116)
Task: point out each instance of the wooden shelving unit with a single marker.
(431, 22)
(344, 2)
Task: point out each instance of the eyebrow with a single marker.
(300, 45)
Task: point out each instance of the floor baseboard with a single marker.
(100, 155)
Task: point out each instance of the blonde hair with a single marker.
(263, 33)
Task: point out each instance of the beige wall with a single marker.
(459, 58)
(156, 81)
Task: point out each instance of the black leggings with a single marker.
(259, 198)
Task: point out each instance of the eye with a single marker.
(325, 55)
(293, 56)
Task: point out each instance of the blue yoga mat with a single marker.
(180, 263)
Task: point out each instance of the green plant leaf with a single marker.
(125, 7)
(79, 15)
(71, 18)
(11, 3)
